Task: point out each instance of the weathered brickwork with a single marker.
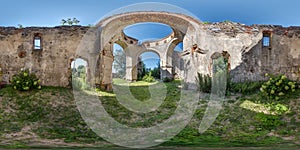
(249, 57)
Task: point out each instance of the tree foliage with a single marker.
(155, 72)
(70, 21)
(119, 63)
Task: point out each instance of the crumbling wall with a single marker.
(249, 60)
(51, 63)
(281, 57)
(178, 65)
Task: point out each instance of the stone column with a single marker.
(166, 68)
(166, 72)
(131, 69)
(106, 69)
(93, 69)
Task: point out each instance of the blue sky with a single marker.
(50, 12)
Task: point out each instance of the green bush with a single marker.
(277, 87)
(166, 79)
(80, 84)
(245, 87)
(279, 108)
(203, 82)
(268, 122)
(148, 78)
(24, 81)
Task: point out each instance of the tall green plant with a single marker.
(204, 83)
(148, 77)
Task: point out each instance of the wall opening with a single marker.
(148, 63)
(119, 63)
(37, 42)
(80, 77)
(147, 31)
(266, 39)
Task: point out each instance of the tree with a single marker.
(63, 22)
(119, 63)
(142, 70)
(69, 21)
(20, 26)
(81, 71)
(75, 21)
(156, 71)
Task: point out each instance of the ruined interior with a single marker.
(251, 51)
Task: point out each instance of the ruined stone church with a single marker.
(251, 51)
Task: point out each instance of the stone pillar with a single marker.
(106, 71)
(88, 74)
(131, 69)
(166, 72)
(166, 68)
(93, 69)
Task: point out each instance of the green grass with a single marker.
(51, 113)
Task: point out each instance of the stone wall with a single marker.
(249, 60)
(51, 63)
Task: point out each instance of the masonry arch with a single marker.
(122, 44)
(148, 50)
(149, 61)
(112, 29)
(140, 53)
(147, 31)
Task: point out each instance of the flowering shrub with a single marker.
(277, 86)
(24, 81)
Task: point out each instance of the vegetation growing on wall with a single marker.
(70, 21)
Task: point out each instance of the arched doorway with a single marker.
(80, 73)
(149, 63)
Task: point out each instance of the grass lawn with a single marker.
(49, 118)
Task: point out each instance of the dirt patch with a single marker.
(26, 135)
